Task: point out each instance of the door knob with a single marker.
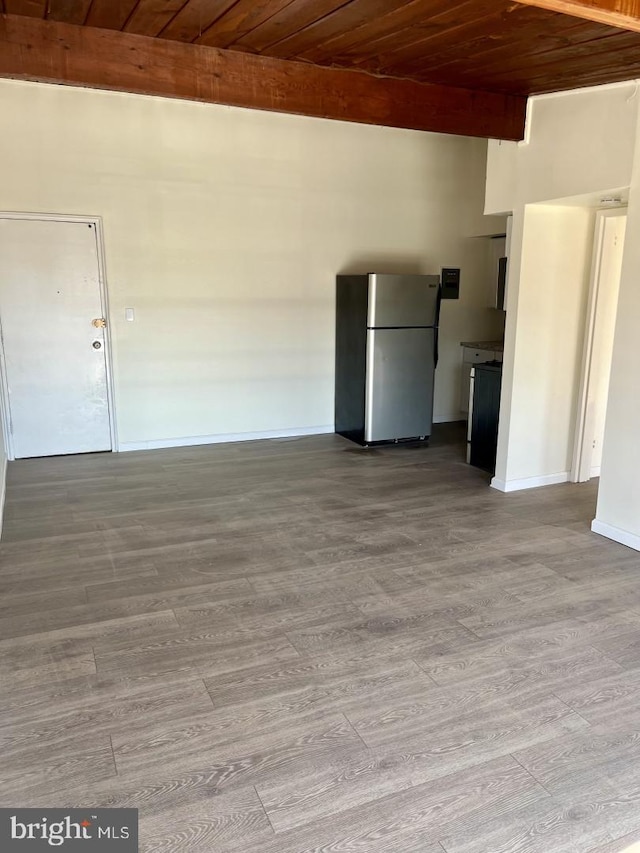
(96, 344)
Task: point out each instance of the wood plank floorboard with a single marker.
(303, 646)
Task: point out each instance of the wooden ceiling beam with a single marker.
(47, 51)
(624, 14)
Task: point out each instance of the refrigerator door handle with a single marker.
(437, 326)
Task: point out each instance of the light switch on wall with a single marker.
(129, 314)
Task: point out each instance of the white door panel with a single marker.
(55, 359)
(604, 333)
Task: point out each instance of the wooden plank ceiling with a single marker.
(615, 13)
(496, 47)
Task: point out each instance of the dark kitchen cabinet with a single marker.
(484, 416)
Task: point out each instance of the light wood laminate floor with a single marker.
(300, 645)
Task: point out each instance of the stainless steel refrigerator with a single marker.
(386, 355)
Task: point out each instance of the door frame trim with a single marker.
(96, 221)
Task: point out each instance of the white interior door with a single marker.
(603, 335)
(54, 357)
(605, 286)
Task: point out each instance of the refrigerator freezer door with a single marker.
(399, 388)
(403, 300)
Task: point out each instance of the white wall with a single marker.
(585, 142)
(224, 229)
(576, 143)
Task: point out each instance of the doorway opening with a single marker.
(55, 364)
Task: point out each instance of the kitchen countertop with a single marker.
(493, 346)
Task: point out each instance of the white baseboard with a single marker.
(631, 540)
(529, 482)
(595, 471)
(194, 440)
